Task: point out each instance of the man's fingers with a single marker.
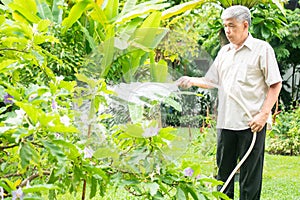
(255, 127)
(184, 82)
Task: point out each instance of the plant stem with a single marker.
(83, 190)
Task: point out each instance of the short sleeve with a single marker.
(269, 66)
(212, 73)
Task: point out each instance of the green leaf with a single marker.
(89, 37)
(213, 181)
(32, 112)
(149, 34)
(180, 194)
(6, 65)
(152, 21)
(40, 188)
(44, 10)
(27, 8)
(73, 152)
(257, 20)
(192, 191)
(181, 8)
(134, 130)
(221, 195)
(280, 5)
(108, 51)
(55, 151)
(172, 102)
(5, 186)
(136, 112)
(68, 85)
(128, 6)
(105, 153)
(75, 14)
(97, 172)
(60, 128)
(153, 188)
(98, 15)
(28, 154)
(159, 71)
(2, 19)
(265, 32)
(111, 9)
(93, 190)
(56, 11)
(43, 25)
(140, 11)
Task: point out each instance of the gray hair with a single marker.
(240, 13)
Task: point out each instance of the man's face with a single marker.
(236, 31)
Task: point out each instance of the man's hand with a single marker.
(185, 82)
(258, 122)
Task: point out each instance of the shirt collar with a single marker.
(248, 43)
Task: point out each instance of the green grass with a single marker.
(281, 178)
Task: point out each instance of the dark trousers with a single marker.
(231, 147)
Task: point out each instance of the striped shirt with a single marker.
(244, 76)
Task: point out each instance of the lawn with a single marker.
(281, 178)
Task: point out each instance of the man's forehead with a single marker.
(230, 21)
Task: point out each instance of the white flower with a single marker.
(51, 124)
(88, 152)
(151, 131)
(20, 113)
(65, 120)
(1, 193)
(17, 194)
(35, 28)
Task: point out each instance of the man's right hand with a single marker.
(185, 82)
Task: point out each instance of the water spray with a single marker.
(133, 90)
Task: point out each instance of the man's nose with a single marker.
(226, 29)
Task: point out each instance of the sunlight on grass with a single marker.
(281, 180)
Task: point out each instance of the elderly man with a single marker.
(247, 70)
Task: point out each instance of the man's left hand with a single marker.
(258, 122)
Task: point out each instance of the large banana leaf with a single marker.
(75, 14)
(181, 8)
(26, 8)
(128, 6)
(251, 3)
(139, 11)
(111, 9)
(98, 15)
(44, 10)
(56, 11)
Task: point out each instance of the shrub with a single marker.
(284, 138)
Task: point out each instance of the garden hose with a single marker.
(248, 151)
(252, 142)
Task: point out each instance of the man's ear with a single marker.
(246, 25)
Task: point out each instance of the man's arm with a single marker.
(187, 82)
(259, 121)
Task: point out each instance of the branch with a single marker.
(30, 178)
(12, 49)
(8, 147)
(11, 175)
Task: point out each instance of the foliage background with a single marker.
(57, 59)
